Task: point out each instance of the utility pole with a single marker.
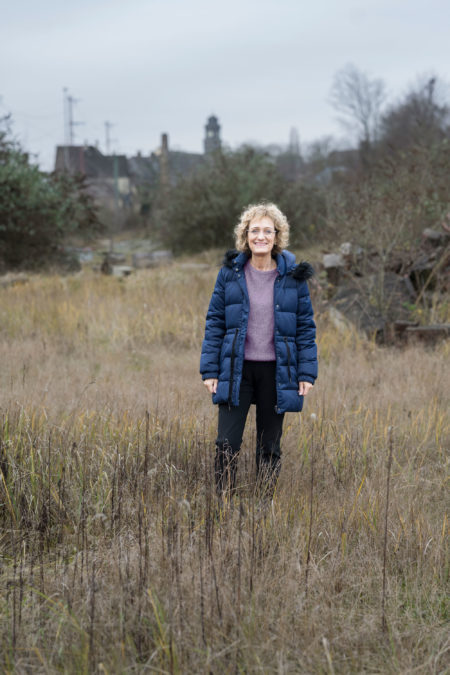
(66, 130)
(115, 167)
(66, 135)
(116, 180)
(69, 122)
(108, 127)
(108, 141)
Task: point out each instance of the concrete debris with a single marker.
(83, 255)
(428, 334)
(350, 252)
(106, 266)
(121, 270)
(195, 267)
(333, 264)
(331, 260)
(117, 258)
(339, 321)
(12, 279)
(151, 259)
(380, 294)
(434, 238)
(140, 260)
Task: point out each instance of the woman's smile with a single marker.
(261, 236)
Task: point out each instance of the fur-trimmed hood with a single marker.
(301, 272)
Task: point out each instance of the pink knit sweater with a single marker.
(259, 343)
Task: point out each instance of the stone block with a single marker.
(143, 260)
(333, 264)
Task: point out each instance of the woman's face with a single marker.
(261, 236)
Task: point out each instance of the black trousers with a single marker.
(258, 386)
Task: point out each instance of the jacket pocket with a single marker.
(288, 358)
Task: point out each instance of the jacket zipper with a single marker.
(275, 287)
(288, 357)
(230, 389)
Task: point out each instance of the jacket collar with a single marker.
(285, 260)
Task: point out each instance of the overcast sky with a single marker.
(153, 66)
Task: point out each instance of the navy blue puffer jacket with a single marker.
(295, 331)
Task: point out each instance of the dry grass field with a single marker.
(114, 557)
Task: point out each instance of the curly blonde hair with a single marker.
(257, 211)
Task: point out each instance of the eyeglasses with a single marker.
(267, 232)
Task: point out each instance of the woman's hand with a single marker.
(304, 387)
(211, 385)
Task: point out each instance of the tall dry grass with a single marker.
(115, 556)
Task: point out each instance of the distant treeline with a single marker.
(383, 192)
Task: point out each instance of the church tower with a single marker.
(212, 135)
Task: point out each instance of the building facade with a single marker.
(116, 180)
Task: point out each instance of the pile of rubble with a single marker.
(382, 294)
(114, 263)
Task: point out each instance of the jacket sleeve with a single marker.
(306, 337)
(214, 331)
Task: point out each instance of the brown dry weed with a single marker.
(114, 553)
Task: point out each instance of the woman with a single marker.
(259, 344)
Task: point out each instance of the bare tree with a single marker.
(422, 117)
(319, 150)
(359, 99)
